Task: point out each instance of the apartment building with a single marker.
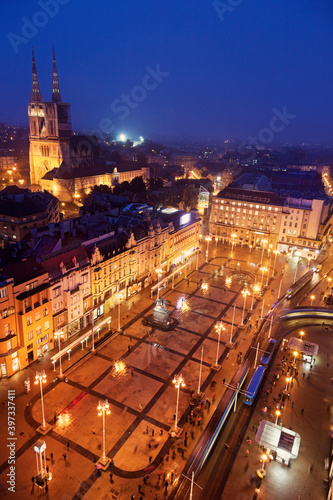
(10, 361)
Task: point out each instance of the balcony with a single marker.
(36, 304)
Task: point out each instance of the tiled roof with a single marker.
(24, 271)
(237, 194)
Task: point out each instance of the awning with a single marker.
(303, 346)
(284, 441)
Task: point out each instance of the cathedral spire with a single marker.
(36, 95)
(56, 97)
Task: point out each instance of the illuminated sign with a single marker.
(185, 219)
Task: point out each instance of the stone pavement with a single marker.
(140, 390)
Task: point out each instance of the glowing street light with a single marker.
(159, 272)
(288, 379)
(103, 408)
(41, 378)
(233, 240)
(208, 239)
(119, 298)
(263, 248)
(301, 334)
(178, 381)
(255, 289)
(204, 287)
(218, 327)
(312, 297)
(295, 356)
(277, 413)
(58, 336)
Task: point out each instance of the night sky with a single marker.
(221, 73)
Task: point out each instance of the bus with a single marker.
(296, 287)
(254, 385)
(266, 357)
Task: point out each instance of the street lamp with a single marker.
(245, 293)
(269, 266)
(41, 378)
(295, 356)
(301, 334)
(178, 381)
(58, 336)
(218, 327)
(119, 297)
(208, 239)
(159, 272)
(329, 282)
(287, 382)
(278, 413)
(312, 297)
(103, 408)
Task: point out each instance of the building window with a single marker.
(46, 325)
(3, 293)
(30, 335)
(45, 312)
(9, 344)
(29, 320)
(37, 316)
(38, 330)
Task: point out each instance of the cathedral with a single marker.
(64, 164)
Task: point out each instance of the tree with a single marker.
(102, 188)
(122, 188)
(190, 196)
(137, 185)
(155, 183)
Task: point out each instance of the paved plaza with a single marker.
(134, 371)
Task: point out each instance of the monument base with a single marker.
(44, 430)
(241, 327)
(215, 367)
(230, 345)
(104, 463)
(175, 432)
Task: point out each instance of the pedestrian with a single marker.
(64, 455)
(47, 469)
(223, 381)
(303, 375)
(132, 497)
(302, 411)
(140, 407)
(161, 432)
(147, 430)
(111, 477)
(227, 356)
(140, 497)
(183, 451)
(292, 404)
(51, 457)
(129, 348)
(153, 432)
(139, 488)
(93, 430)
(174, 416)
(247, 453)
(132, 371)
(213, 396)
(150, 459)
(310, 468)
(33, 481)
(68, 445)
(192, 433)
(46, 488)
(166, 484)
(172, 474)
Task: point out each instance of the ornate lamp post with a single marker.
(178, 381)
(312, 297)
(41, 378)
(58, 336)
(103, 408)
